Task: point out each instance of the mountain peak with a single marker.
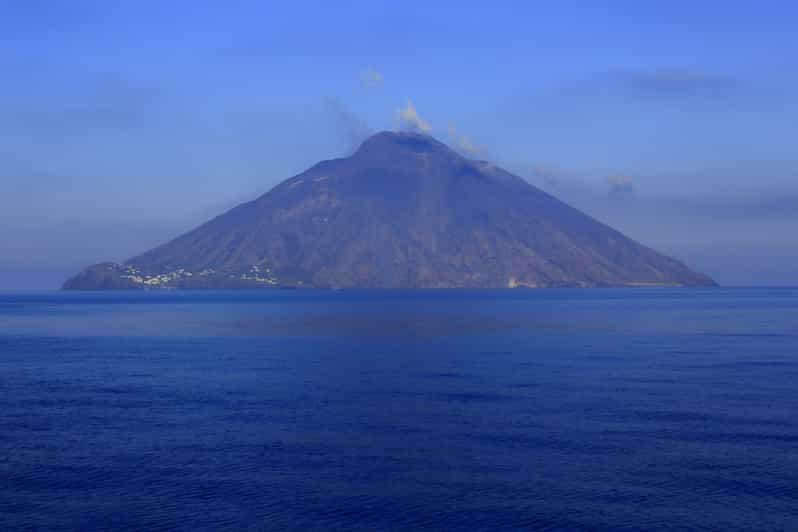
(392, 143)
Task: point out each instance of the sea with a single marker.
(605, 409)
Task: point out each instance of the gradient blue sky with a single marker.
(125, 123)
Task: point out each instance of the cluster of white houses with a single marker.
(255, 274)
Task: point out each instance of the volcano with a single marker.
(404, 211)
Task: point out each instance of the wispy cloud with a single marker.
(549, 176)
(371, 78)
(676, 82)
(409, 120)
(462, 143)
(354, 129)
(105, 104)
(620, 183)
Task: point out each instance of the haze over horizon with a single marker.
(127, 124)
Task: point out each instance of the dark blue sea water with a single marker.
(561, 409)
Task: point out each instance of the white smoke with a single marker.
(461, 143)
(409, 120)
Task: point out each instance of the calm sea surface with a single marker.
(591, 409)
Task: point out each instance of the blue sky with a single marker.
(125, 123)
